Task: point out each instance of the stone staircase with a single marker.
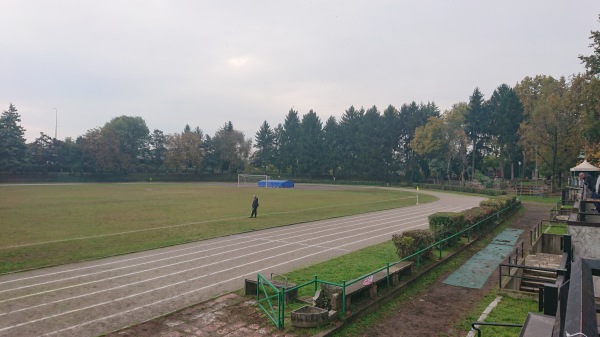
(534, 279)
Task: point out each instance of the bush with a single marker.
(412, 241)
(446, 224)
(475, 215)
(499, 202)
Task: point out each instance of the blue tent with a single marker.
(276, 183)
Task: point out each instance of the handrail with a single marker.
(511, 265)
(528, 267)
(418, 254)
(507, 325)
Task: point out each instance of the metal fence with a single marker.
(271, 299)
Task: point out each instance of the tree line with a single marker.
(539, 128)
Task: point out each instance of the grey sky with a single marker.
(204, 63)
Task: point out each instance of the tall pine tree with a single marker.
(13, 150)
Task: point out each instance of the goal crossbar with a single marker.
(246, 180)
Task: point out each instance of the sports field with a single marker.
(44, 225)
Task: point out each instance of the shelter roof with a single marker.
(585, 167)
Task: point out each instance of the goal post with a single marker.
(251, 180)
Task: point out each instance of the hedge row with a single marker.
(443, 225)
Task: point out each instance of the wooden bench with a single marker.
(379, 279)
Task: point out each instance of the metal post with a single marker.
(257, 287)
(522, 250)
(344, 298)
(500, 277)
(531, 238)
(388, 275)
(282, 308)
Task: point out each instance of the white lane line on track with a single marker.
(205, 287)
(190, 224)
(320, 224)
(332, 225)
(312, 233)
(171, 274)
(114, 262)
(218, 272)
(303, 244)
(133, 273)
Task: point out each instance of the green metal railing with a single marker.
(277, 318)
(271, 300)
(475, 326)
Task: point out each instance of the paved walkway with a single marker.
(229, 315)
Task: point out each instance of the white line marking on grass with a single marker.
(312, 233)
(485, 314)
(190, 224)
(253, 237)
(214, 273)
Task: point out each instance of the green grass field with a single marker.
(45, 225)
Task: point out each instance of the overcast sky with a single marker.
(204, 63)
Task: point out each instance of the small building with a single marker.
(276, 183)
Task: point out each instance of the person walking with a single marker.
(596, 194)
(254, 206)
(587, 182)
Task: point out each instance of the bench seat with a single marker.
(379, 278)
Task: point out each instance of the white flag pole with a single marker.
(417, 195)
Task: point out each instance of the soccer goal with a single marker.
(251, 180)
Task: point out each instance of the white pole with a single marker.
(55, 123)
(417, 195)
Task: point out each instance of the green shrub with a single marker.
(498, 202)
(475, 215)
(444, 225)
(412, 241)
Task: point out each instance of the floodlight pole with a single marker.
(55, 123)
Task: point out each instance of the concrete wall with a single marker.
(547, 243)
(586, 241)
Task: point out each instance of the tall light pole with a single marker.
(536, 162)
(55, 123)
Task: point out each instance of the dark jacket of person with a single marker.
(590, 182)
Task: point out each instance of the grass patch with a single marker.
(509, 310)
(346, 267)
(539, 200)
(359, 263)
(362, 326)
(45, 225)
(557, 228)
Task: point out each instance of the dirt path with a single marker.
(435, 312)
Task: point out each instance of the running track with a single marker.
(97, 297)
